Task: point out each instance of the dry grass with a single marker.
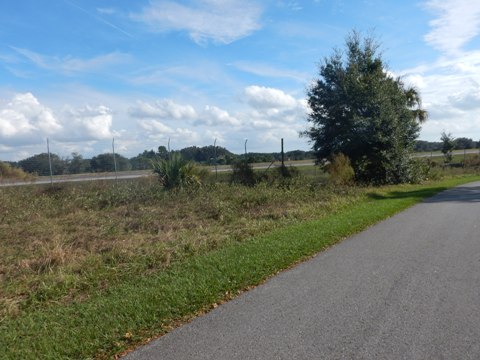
(62, 243)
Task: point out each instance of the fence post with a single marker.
(50, 162)
(215, 156)
(246, 160)
(114, 160)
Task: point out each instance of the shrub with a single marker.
(176, 172)
(340, 170)
(9, 172)
(242, 173)
(472, 161)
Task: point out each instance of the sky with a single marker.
(84, 72)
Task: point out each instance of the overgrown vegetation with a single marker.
(8, 172)
(176, 172)
(340, 170)
(132, 258)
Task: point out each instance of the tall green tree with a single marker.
(448, 145)
(360, 110)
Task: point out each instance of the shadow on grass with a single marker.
(438, 194)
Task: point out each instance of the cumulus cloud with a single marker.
(165, 109)
(222, 22)
(457, 22)
(272, 107)
(157, 131)
(265, 97)
(25, 121)
(214, 116)
(89, 123)
(24, 118)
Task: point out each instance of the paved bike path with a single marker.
(406, 288)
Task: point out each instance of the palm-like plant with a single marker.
(415, 103)
(176, 172)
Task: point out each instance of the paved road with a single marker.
(407, 288)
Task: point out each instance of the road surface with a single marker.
(407, 288)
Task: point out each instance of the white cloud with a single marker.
(214, 116)
(70, 65)
(222, 21)
(157, 131)
(155, 127)
(272, 107)
(24, 118)
(165, 109)
(263, 98)
(457, 22)
(89, 123)
(24, 121)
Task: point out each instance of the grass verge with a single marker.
(140, 307)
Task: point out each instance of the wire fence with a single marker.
(49, 167)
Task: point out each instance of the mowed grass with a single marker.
(89, 270)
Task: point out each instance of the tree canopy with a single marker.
(360, 110)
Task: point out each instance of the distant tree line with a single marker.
(208, 155)
(458, 144)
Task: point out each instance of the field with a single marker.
(91, 269)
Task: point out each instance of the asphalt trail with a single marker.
(407, 288)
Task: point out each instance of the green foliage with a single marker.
(105, 163)
(176, 172)
(359, 110)
(340, 170)
(39, 164)
(464, 143)
(242, 173)
(427, 146)
(143, 161)
(448, 144)
(9, 172)
(77, 164)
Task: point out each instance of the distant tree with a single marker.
(39, 164)
(464, 143)
(360, 110)
(162, 152)
(424, 146)
(105, 163)
(77, 164)
(448, 144)
(143, 161)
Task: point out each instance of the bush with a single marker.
(176, 172)
(472, 161)
(340, 170)
(242, 173)
(9, 172)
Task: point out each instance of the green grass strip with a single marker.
(110, 322)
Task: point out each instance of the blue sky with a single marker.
(81, 72)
